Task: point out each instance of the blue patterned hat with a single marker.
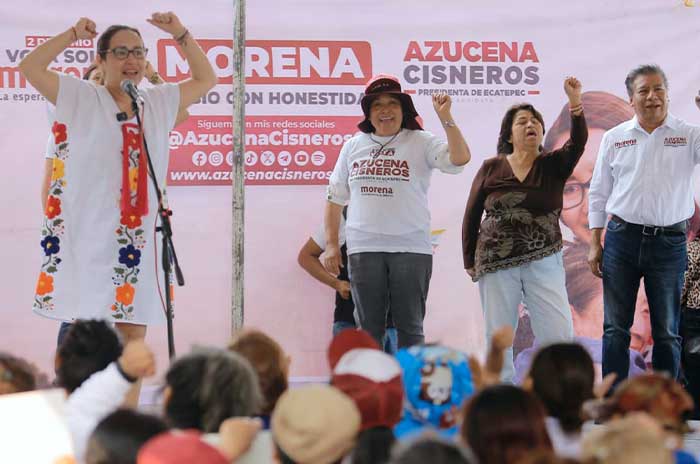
(438, 381)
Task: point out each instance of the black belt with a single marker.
(673, 229)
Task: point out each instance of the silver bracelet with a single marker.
(448, 124)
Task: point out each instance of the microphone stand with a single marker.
(168, 249)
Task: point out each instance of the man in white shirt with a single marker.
(643, 181)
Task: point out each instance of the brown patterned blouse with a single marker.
(522, 218)
(690, 299)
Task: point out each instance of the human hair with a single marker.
(103, 42)
(89, 346)
(643, 70)
(268, 361)
(208, 386)
(373, 446)
(504, 146)
(546, 457)
(581, 285)
(562, 377)
(631, 439)
(16, 375)
(502, 423)
(119, 436)
(88, 72)
(602, 110)
(429, 448)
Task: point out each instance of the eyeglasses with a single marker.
(574, 193)
(122, 53)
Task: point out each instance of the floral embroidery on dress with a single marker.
(53, 227)
(130, 233)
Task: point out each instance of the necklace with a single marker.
(382, 145)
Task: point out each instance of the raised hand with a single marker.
(167, 22)
(85, 28)
(237, 435)
(572, 87)
(138, 360)
(442, 103)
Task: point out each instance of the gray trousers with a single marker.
(404, 276)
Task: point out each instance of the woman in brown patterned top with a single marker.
(515, 252)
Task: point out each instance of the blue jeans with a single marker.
(391, 342)
(541, 285)
(631, 254)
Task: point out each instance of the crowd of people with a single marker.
(391, 397)
(427, 402)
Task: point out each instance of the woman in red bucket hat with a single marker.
(383, 175)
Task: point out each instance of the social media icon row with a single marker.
(285, 158)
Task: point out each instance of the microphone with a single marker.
(128, 86)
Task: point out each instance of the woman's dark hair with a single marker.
(602, 110)
(503, 423)
(268, 360)
(119, 436)
(546, 457)
(504, 146)
(209, 386)
(17, 374)
(88, 72)
(430, 449)
(562, 377)
(373, 446)
(103, 43)
(88, 347)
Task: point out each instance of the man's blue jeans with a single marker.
(632, 253)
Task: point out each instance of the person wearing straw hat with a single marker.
(383, 175)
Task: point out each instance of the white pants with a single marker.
(541, 286)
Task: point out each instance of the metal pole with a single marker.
(238, 168)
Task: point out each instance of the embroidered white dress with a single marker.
(96, 262)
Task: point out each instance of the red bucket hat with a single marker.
(347, 340)
(385, 83)
(372, 379)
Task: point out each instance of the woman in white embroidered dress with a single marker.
(99, 259)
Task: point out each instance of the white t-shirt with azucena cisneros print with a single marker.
(387, 190)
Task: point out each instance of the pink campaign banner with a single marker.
(306, 66)
(280, 150)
